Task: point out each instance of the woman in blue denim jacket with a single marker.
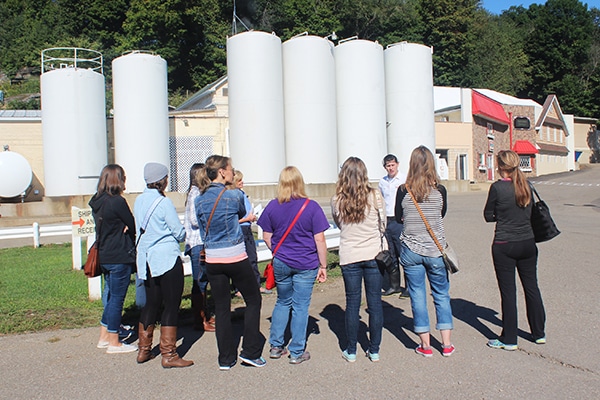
(159, 266)
(226, 260)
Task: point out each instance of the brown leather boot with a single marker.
(145, 343)
(207, 323)
(168, 349)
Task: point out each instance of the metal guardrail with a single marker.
(332, 236)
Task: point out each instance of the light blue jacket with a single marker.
(224, 230)
(159, 245)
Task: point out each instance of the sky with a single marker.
(497, 6)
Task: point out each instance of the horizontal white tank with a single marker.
(360, 84)
(409, 100)
(310, 110)
(256, 128)
(73, 130)
(141, 114)
(15, 174)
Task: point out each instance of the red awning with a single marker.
(489, 109)
(524, 147)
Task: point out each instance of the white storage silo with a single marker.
(141, 114)
(310, 110)
(360, 84)
(73, 120)
(409, 99)
(256, 128)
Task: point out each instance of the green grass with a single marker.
(39, 290)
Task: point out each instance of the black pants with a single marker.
(163, 290)
(522, 255)
(242, 277)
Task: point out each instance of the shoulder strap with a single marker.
(533, 191)
(291, 226)
(379, 219)
(147, 218)
(213, 212)
(437, 243)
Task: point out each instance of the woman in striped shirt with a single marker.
(419, 254)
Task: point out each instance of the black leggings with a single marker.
(163, 290)
(522, 255)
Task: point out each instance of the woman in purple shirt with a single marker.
(301, 258)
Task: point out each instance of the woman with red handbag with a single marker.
(295, 226)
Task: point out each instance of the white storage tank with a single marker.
(409, 99)
(15, 174)
(73, 120)
(360, 84)
(256, 128)
(141, 114)
(310, 110)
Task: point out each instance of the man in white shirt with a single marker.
(388, 185)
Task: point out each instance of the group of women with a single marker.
(294, 227)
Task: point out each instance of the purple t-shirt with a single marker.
(298, 250)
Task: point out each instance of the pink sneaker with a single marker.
(425, 352)
(448, 351)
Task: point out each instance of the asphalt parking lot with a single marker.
(67, 365)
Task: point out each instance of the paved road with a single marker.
(66, 364)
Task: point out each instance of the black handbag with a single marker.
(542, 223)
(385, 258)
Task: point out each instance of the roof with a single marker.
(553, 149)
(445, 98)
(552, 107)
(197, 97)
(490, 109)
(506, 99)
(524, 147)
(20, 115)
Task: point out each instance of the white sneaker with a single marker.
(102, 344)
(123, 348)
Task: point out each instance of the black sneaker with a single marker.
(227, 367)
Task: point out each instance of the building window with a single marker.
(481, 165)
(547, 133)
(555, 139)
(525, 163)
(490, 131)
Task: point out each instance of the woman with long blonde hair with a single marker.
(359, 212)
(419, 254)
(509, 205)
(301, 258)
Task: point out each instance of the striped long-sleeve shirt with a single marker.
(415, 234)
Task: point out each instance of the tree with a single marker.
(189, 35)
(558, 45)
(498, 60)
(448, 27)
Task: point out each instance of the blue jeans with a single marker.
(198, 270)
(116, 282)
(294, 290)
(353, 277)
(416, 267)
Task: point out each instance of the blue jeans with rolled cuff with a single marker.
(416, 269)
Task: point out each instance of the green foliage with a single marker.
(40, 290)
(530, 52)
